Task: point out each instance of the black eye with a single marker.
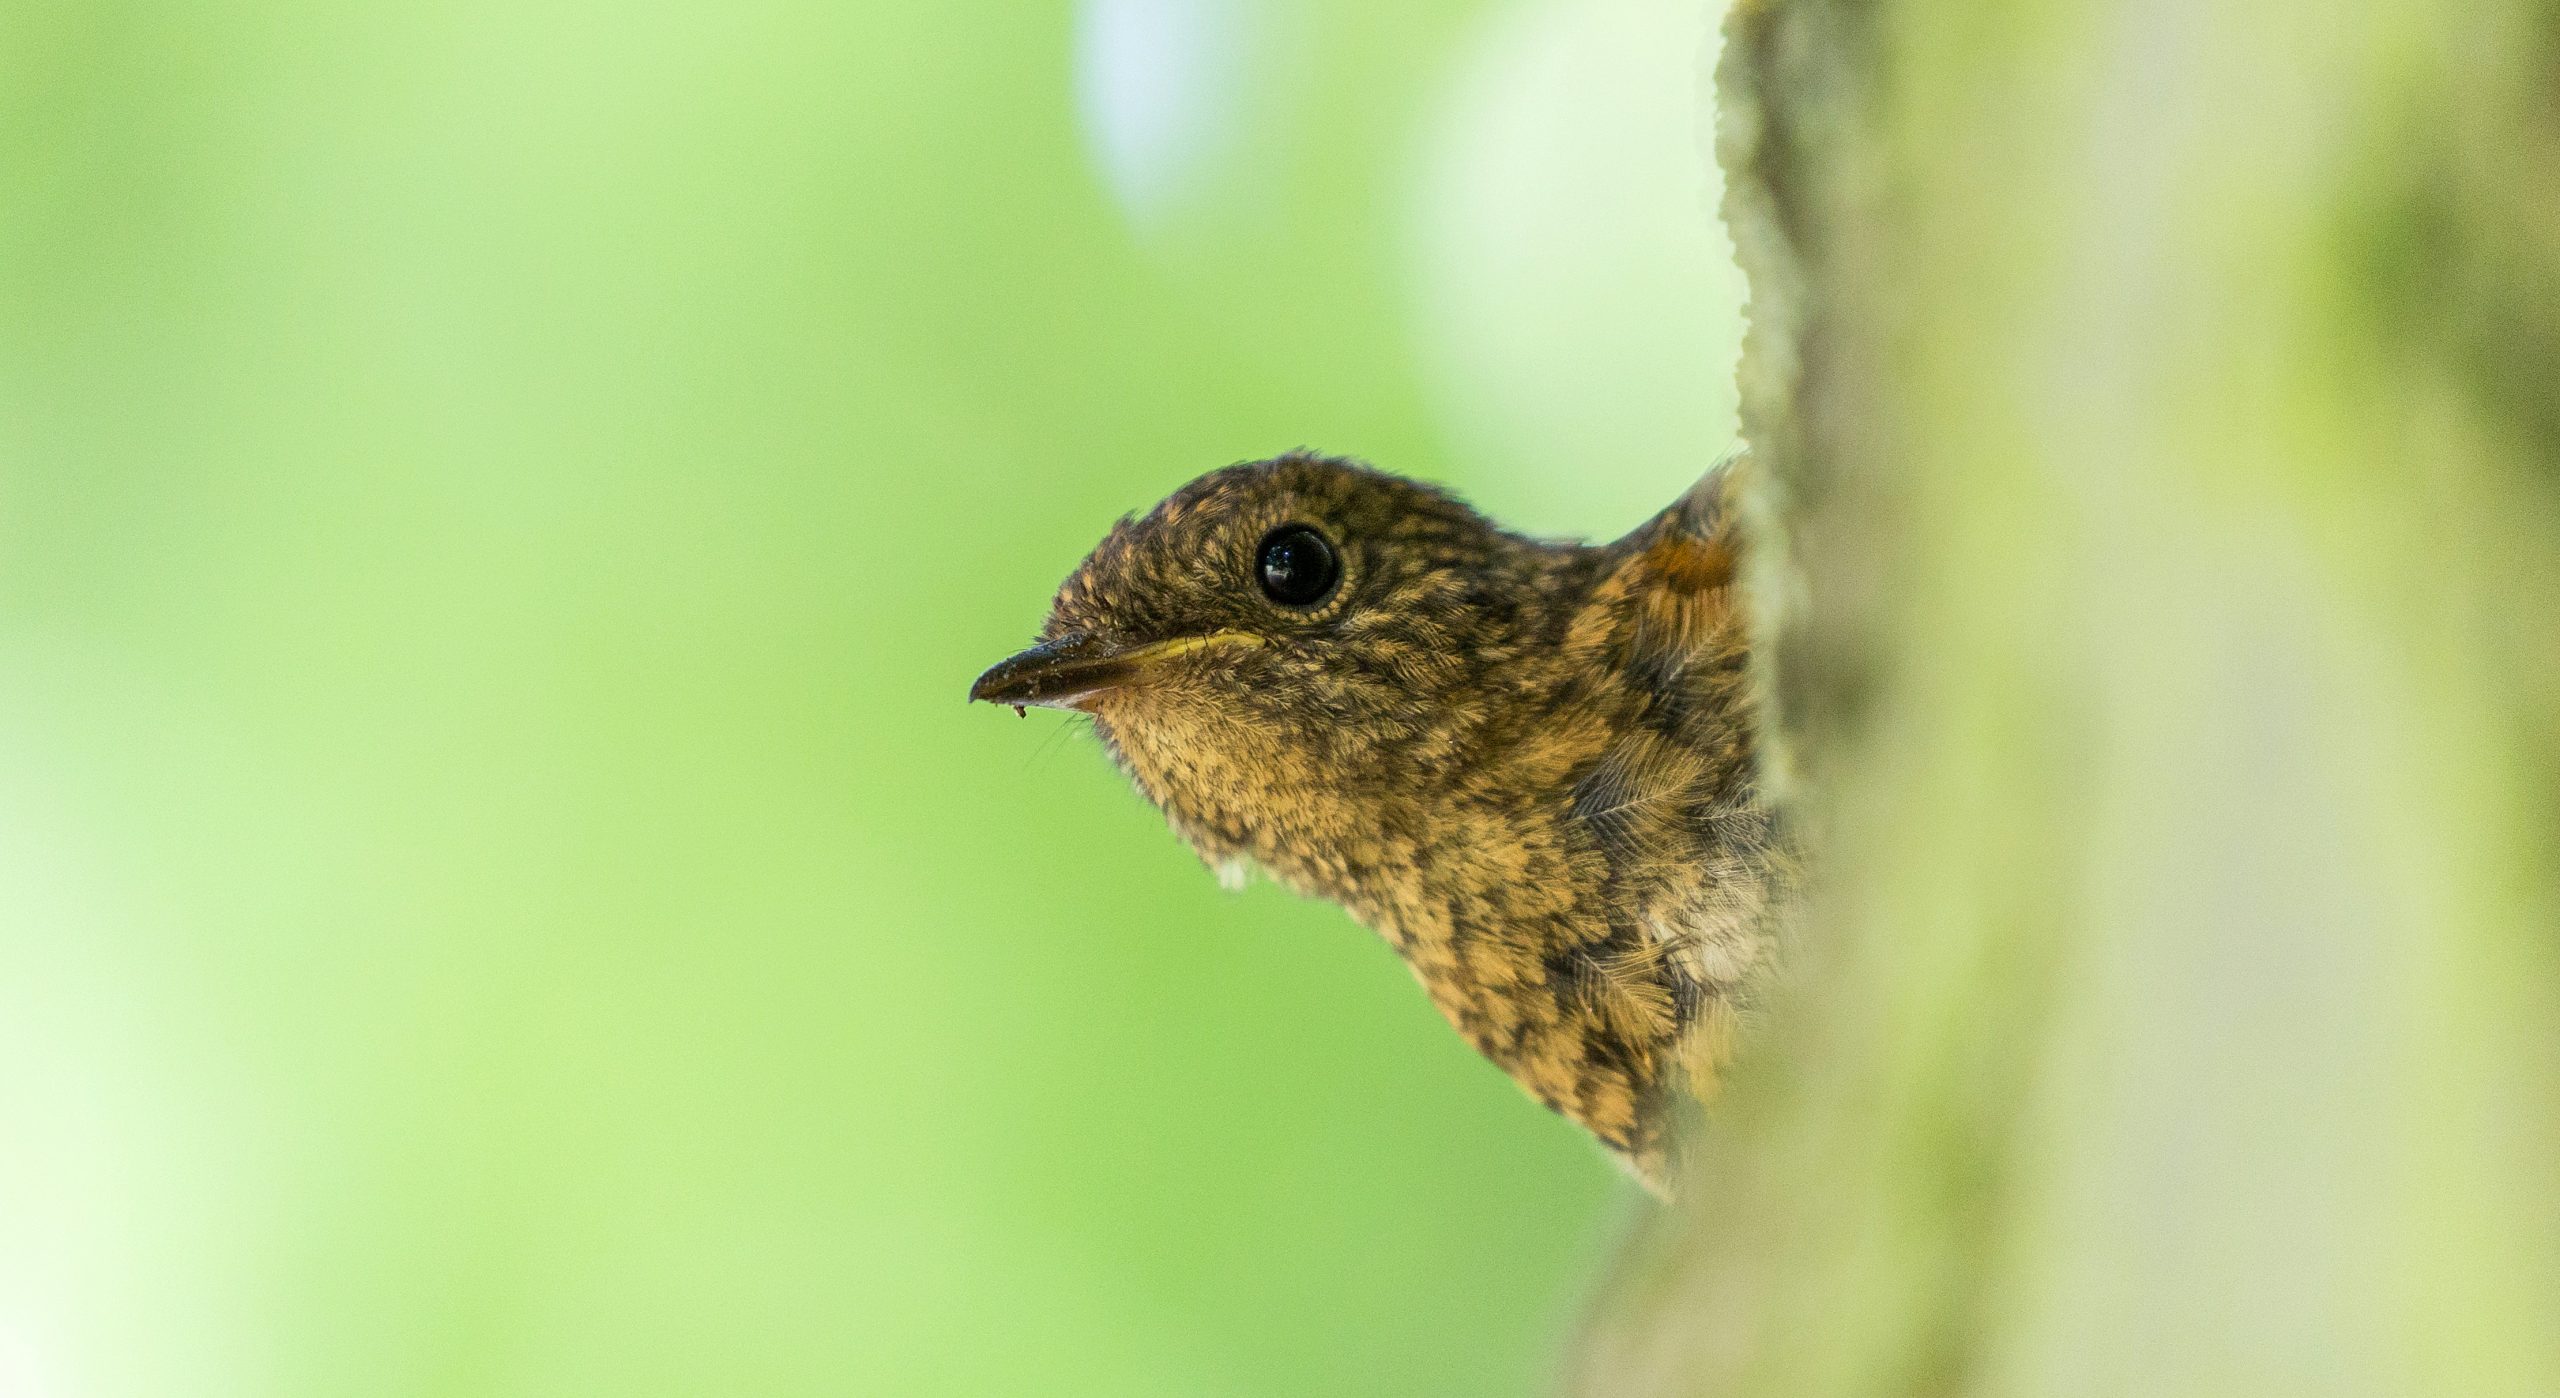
(1298, 568)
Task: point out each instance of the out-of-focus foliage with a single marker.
(2160, 400)
(499, 503)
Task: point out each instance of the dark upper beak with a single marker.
(1059, 674)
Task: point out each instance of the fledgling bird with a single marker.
(1527, 765)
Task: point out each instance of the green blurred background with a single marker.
(499, 504)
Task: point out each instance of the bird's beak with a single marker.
(1068, 672)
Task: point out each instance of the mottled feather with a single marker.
(1528, 765)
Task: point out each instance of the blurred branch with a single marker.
(2158, 401)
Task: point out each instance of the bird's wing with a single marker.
(1672, 585)
(1693, 544)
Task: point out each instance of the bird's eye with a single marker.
(1298, 567)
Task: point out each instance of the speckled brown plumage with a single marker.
(1527, 765)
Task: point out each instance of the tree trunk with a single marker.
(2159, 407)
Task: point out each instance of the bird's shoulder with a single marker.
(1663, 596)
(1692, 544)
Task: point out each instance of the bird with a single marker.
(1528, 765)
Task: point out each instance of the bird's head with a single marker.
(1284, 650)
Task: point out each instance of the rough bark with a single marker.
(2159, 408)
